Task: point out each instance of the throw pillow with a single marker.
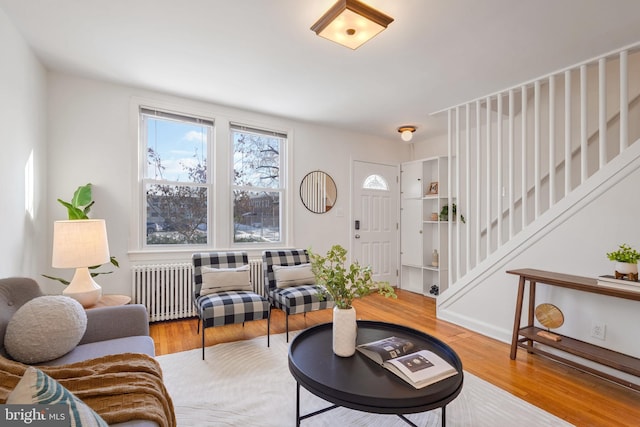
(45, 328)
(225, 279)
(293, 275)
(36, 387)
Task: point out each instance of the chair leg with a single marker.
(203, 340)
(269, 327)
(287, 323)
(198, 327)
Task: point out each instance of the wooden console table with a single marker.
(526, 336)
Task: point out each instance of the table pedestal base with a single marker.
(321, 411)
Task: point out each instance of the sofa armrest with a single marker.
(107, 323)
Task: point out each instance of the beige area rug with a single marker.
(245, 383)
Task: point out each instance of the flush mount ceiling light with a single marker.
(351, 23)
(406, 132)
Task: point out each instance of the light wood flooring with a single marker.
(579, 398)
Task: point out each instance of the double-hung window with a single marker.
(177, 178)
(258, 189)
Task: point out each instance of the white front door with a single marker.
(374, 224)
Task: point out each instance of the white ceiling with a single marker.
(260, 55)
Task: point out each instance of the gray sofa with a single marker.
(110, 330)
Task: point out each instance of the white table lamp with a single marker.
(81, 244)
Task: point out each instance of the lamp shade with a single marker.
(80, 243)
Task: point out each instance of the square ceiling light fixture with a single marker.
(351, 23)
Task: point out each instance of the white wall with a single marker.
(91, 140)
(334, 151)
(22, 136)
(434, 146)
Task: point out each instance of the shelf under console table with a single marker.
(526, 336)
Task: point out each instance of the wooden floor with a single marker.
(577, 397)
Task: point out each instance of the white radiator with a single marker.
(166, 290)
(257, 276)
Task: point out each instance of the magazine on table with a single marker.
(401, 356)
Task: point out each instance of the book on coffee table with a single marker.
(417, 367)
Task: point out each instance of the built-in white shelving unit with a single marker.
(424, 190)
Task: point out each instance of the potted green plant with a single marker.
(77, 209)
(626, 259)
(444, 213)
(80, 204)
(344, 284)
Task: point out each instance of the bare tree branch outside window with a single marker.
(257, 194)
(176, 187)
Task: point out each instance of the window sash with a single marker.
(162, 239)
(259, 227)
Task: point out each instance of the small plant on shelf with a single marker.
(444, 213)
(625, 253)
(626, 259)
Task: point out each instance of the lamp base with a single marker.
(83, 288)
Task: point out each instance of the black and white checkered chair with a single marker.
(299, 298)
(222, 292)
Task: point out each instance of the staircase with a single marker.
(525, 161)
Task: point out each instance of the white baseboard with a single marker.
(486, 329)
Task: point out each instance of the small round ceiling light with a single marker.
(406, 132)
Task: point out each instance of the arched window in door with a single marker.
(375, 182)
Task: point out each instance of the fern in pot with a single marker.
(344, 283)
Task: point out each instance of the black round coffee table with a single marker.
(359, 383)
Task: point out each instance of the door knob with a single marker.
(357, 236)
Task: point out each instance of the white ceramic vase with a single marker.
(345, 330)
(626, 268)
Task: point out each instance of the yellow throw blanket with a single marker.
(119, 387)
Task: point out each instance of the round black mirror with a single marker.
(318, 192)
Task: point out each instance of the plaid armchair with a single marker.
(294, 299)
(225, 307)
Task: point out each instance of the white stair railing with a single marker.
(532, 145)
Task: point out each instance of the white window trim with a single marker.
(221, 178)
(286, 212)
(137, 229)
(209, 184)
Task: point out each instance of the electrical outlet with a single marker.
(598, 330)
